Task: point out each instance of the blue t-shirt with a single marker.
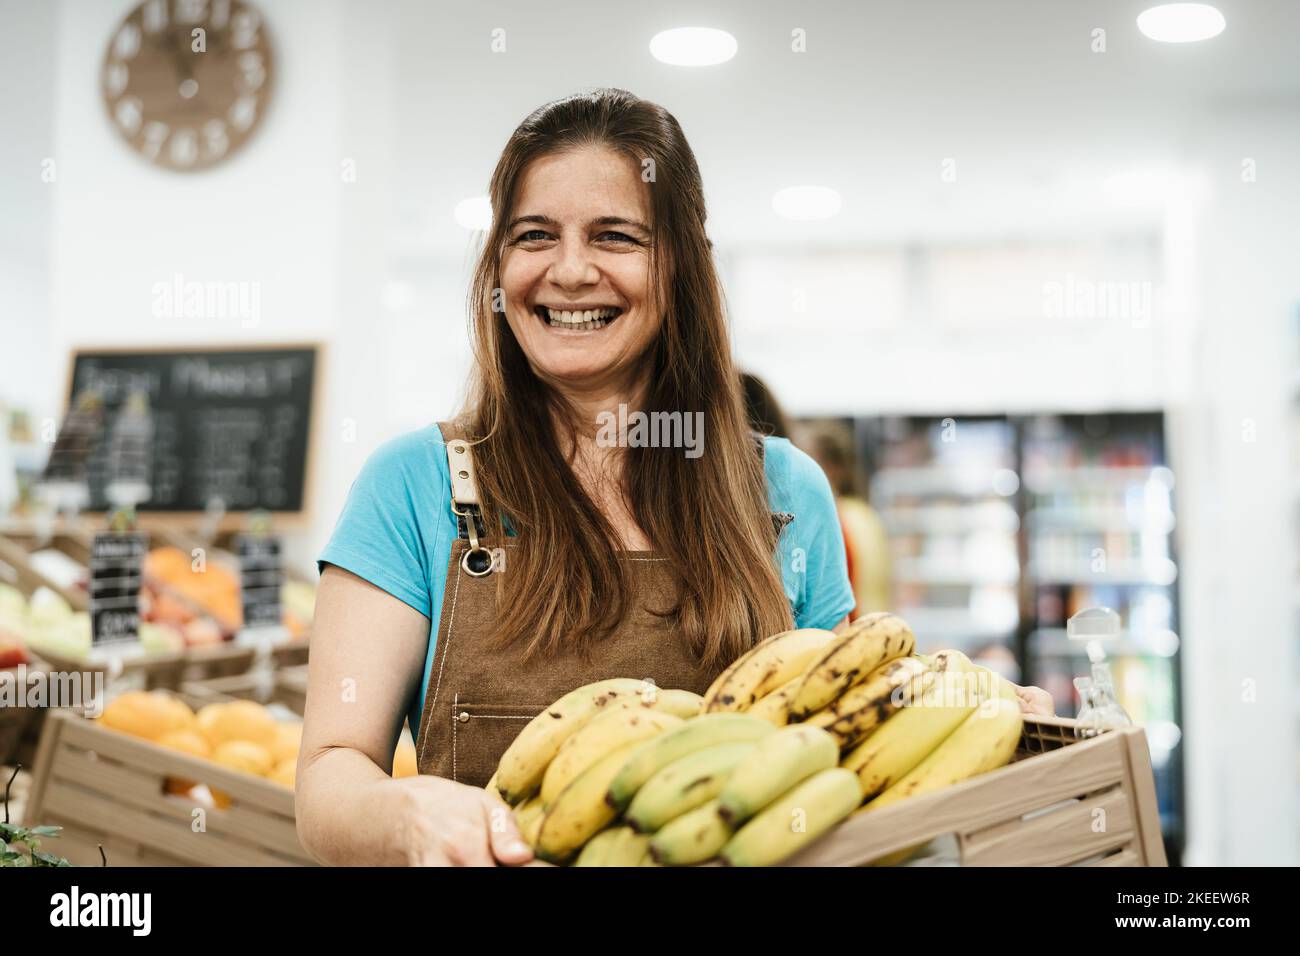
(397, 529)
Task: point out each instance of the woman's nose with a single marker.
(573, 265)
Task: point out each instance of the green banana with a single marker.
(866, 705)
(866, 644)
(520, 770)
(796, 819)
(707, 730)
(777, 763)
(683, 785)
(692, 838)
(619, 724)
(596, 850)
(764, 668)
(580, 811)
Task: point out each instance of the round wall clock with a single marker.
(186, 82)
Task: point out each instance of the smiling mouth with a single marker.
(587, 320)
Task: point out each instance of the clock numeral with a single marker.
(215, 140)
(129, 113)
(155, 134)
(254, 74)
(247, 24)
(127, 42)
(155, 15)
(242, 112)
(115, 79)
(191, 11)
(184, 147)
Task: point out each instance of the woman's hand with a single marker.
(443, 823)
(1035, 700)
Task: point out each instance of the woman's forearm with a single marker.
(348, 810)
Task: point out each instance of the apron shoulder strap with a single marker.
(460, 463)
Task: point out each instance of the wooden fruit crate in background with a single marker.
(1063, 801)
(288, 687)
(104, 787)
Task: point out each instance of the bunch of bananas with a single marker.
(787, 742)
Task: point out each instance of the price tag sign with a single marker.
(260, 577)
(116, 572)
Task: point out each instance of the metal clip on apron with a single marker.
(477, 560)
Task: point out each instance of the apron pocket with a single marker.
(480, 734)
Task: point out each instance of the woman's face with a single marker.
(576, 270)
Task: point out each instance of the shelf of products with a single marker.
(1002, 528)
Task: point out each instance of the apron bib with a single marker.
(479, 696)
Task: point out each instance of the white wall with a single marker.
(1235, 447)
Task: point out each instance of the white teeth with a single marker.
(580, 318)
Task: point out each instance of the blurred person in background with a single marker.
(765, 414)
(865, 540)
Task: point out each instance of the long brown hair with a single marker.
(566, 587)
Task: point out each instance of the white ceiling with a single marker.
(886, 92)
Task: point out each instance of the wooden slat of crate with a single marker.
(1059, 838)
(289, 687)
(143, 788)
(118, 794)
(1005, 795)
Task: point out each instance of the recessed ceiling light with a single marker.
(693, 46)
(806, 202)
(1181, 22)
(474, 213)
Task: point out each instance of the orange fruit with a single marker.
(242, 720)
(147, 714)
(189, 742)
(245, 756)
(288, 739)
(404, 759)
(285, 772)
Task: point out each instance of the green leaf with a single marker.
(46, 831)
(12, 832)
(47, 859)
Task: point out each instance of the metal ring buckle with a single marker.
(464, 562)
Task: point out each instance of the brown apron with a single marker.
(479, 696)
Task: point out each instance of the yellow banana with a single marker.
(775, 707)
(707, 730)
(679, 703)
(628, 849)
(580, 811)
(797, 818)
(519, 772)
(617, 726)
(764, 668)
(528, 817)
(984, 741)
(777, 763)
(692, 838)
(596, 850)
(906, 738)
(866, 644)
(866, 705)
(683, 785)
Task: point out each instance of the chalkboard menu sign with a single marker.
(116, 563)
(229, 425)
(260, 578)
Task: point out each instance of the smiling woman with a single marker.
(485, 566)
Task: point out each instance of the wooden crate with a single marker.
(1063, 801)
(104, 787)
(288, 687)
